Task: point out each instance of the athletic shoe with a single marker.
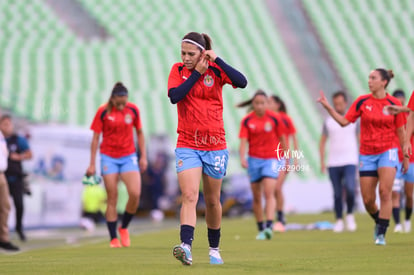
(375, 232)
(115, 243)
(215, 257)
(380, 240)
(124, 235)
(398, 228)
(268, 233)
(261, 236)
(182, 253)
(407, 226)
(339, 226)
(279, 227)
(350, 223)
(8, 246)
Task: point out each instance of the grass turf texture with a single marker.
(294, 252)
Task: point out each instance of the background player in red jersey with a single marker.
(265, 133)
(116, 121)
(195, 85)
(378, 160)
(277, 105)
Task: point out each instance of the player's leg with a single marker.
(387, 168)
(269, 185)
(189, 170)
(110, 174)
(256, 188)
(336, 177)
(279, 226)
(129, 172)
(350, 187)
(214, 169)
(408, 191)
(396, 191)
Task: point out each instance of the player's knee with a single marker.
(385, 195)
(189, 197)
(212, 202)
(369, 201)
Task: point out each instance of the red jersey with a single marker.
(411, 102)
(117, 129)
(200, 112)
(378, 128)
(289, 126)
(262, 133)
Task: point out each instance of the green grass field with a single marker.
(294, 252)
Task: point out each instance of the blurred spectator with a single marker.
(154, 181)
(57, 168)
(19, 151)
(4, 199)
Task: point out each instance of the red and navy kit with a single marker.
(200, 113)
(378, 127)
(263, 134)
(117, 129)
(289, 126)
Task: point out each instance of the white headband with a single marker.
(194, 43)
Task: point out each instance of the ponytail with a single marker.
(282, 105)
(250, 101)
(118, 90)
(385, 75)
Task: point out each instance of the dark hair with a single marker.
(249, 101)
(282, 105)
(398, 93)
(385, 75)
(118, 90)
(5, 117)
(201, 38)
(340, 93)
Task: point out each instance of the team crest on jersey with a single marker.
(385, 111)
(268, 127)
(128, 119)
(208, 80)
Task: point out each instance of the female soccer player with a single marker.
(195, 85)
(116, 120)
(378, 160)
(277, 105)
(264, 131)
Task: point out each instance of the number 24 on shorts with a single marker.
(219, 162)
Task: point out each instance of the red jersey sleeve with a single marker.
(411, 102)
(138, 124)
(174, 79)
(280, 128)
(291, 128)
(244, 132)
(354, 112)
(97, 124)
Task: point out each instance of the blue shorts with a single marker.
(111, 165)
(263, 168)
(214, 163)
(409, 176)
(369, 164)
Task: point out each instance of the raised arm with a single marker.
(236, 77)
(334, 114)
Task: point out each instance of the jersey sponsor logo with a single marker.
(252, 126)
(128, 119)
(208, 80)
(368, 107)
(268, 127)
(111, 118)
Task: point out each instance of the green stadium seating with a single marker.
(364, 35)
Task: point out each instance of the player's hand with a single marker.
(244, 163)
(406, 165)
(407, 150)
(15, 156)
(210, 55)
(323, 100)
(323, 168)
(143, 164)
(393, 109)
(91, 170)
(202, 64)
